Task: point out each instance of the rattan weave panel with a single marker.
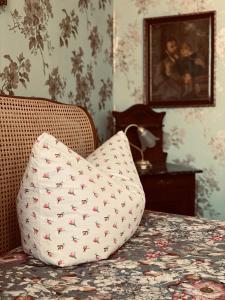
(21, 122)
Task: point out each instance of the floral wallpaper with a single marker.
(60, 50)
(192, 136)
(89, 52)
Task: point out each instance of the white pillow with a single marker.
(73, 210)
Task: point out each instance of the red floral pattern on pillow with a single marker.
(73, 210)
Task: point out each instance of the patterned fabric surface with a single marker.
(169, 257)
(73, 210)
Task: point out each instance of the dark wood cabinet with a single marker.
(170, 188)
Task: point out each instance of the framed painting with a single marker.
(3, 2)
(179, 60)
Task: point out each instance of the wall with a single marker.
(193, 136)
(63, 50)
(60, 50)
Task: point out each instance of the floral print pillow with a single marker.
(72, 210)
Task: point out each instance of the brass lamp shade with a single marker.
(147, 140)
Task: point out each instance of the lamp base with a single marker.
(143, 165)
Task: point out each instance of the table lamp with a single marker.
(147, 140)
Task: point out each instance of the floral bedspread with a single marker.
(169, 257)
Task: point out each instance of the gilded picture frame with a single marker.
(179, 60)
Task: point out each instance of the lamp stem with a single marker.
(129, 126)
(134, 146)
(139, 149)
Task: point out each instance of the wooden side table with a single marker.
(170, 188)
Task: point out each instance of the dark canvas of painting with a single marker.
(179, 60)
(3, 2)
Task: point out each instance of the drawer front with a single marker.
(174, 181)
(170, 193)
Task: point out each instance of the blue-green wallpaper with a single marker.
(60, 50)
(193, 136)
